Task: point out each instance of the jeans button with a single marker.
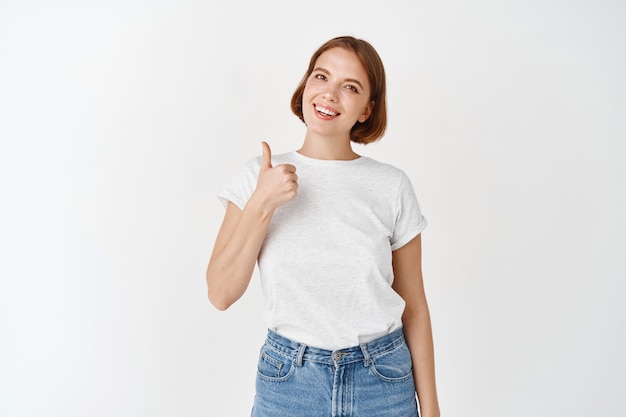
(337, 356)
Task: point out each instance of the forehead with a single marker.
(342, 63)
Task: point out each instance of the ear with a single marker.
(367, 112)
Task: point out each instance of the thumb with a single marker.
(266, 159)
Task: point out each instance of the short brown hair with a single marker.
(374, 127)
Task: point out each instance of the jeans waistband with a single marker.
(364, 352)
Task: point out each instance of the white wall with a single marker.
(119, 120)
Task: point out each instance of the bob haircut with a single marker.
(374, 127)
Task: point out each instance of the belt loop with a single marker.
(366, 356)
(300, 354)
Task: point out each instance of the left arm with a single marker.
(408, 283)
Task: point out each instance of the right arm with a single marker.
(241, 235)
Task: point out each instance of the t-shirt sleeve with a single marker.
(240, 188)
(409, 219)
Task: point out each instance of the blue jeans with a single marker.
(371, 380)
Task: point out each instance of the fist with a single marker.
(278, 184)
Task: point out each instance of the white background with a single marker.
(120, 120)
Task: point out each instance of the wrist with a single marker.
(259, 206)
(426, 411)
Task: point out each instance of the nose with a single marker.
(330, 93)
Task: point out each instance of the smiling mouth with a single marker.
(324, 111)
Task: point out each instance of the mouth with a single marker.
(325, 112)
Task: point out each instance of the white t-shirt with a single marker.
(325, 264)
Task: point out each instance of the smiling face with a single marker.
(336, 95)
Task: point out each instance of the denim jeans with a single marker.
(371, 380)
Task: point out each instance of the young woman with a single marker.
(339, 253)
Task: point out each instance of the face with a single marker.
(336, 94)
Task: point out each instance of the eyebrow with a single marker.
(351, 80)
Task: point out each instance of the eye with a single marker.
(352, 88)
(320, 77)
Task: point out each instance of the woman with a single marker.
(339, 252)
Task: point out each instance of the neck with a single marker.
(327, 148)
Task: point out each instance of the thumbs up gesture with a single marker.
(276, 185)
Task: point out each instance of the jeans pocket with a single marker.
(393, 365)
(274, 366)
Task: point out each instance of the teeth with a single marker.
(325, 111)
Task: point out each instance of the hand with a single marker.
(275, 185)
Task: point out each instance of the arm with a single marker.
(408, 283)
(235, 252)
(241, 235)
